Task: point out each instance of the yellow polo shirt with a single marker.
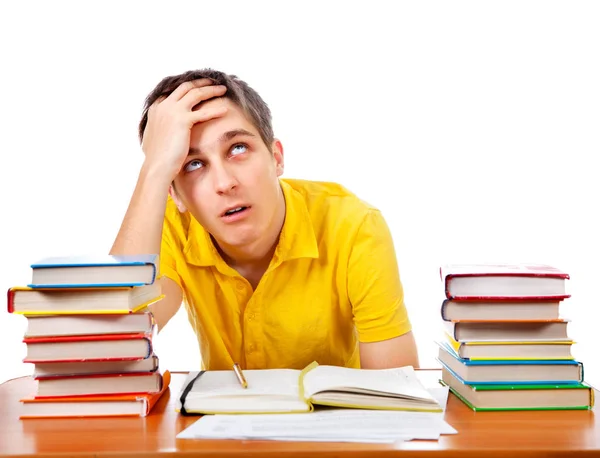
(333, 282)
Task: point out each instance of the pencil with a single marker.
(240, 375)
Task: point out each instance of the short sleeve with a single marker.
(374, 285)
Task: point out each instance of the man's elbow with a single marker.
(167, 307)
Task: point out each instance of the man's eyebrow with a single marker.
(235, 133)
(227, 136)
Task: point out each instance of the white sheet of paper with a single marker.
(336, 424)
(338, 439)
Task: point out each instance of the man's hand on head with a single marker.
(170, 119)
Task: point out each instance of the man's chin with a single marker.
(236, 238)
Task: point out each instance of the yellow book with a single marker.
(511, 350)
(83, 301)
(296, 391)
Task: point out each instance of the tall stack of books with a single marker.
(89, 336)
(505, 345)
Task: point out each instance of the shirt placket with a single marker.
(253, 332)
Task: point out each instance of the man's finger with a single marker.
(206, 114)
(184, 88)
(200, 94)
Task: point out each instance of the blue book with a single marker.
(510, 372)
(94, 271)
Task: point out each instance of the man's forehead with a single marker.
(216, 102)
(213, 139)
(212, 133)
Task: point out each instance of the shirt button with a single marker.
(251, 316)
(240, 285)
(251, 348)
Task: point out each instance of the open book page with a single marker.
(283, 382)
(269, 390)
(430, 379)
(329, 425)
(397, 382)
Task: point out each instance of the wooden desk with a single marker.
(492, 434)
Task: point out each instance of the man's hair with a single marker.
(238, 91)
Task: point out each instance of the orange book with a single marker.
(138, 405)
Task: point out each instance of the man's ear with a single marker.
(278, 156)
(180, 205)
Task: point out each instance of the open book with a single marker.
(291, 390)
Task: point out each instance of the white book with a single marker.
(290, 390)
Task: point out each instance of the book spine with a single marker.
(10, 301)
(443, 310)
(154, 272)
(88, 337)
(506, 298)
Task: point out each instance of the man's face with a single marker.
(229, 182)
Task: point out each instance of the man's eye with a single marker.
(192, 165)
(239, 149)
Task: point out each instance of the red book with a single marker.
(503, 282)
(88, 348)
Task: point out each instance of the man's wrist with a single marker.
(157, 174)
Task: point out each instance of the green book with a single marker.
(521, 397)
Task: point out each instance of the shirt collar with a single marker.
(296, 240)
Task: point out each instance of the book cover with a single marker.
(508, 409)
(95, 260)
(513, 383)
(505, 362)
(508, 351)
(116, 405)
(516, 331)
(104, 355)
(93, 271)
(63, 369)
(503, 282)
(82, 301)
(533, 396)
(496, 310)
(89, 324)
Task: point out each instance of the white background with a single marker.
(473, 125)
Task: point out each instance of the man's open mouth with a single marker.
(235, 210)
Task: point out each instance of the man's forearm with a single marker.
(396, 352)
(141, 229)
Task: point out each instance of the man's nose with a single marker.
(224, 179)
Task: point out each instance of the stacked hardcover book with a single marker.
(89, 336)
(506, 345)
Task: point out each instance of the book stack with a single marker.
(89, 336)
(506, 345)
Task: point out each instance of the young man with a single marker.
(273, 272)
